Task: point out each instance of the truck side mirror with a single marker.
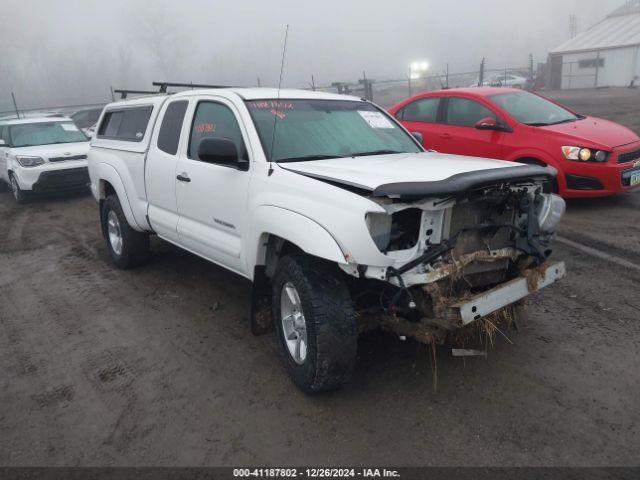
(220, 151)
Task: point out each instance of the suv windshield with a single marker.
(44, 133)
(321, 129)
(533, 110)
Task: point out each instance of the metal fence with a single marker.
(385, 92)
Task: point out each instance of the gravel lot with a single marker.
(157, 366)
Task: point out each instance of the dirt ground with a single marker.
(157, 366)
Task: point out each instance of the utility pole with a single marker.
(368, 86)
(481, 78)
(447, 75)
(313, 83)
(15, 105)
(259, 82)
(573, 26)
(531, 73)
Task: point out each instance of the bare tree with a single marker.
(166, 40)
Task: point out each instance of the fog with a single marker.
(72, 51)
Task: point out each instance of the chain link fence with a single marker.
(385, 92)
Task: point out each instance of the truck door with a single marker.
(212, 198)
(160, 170)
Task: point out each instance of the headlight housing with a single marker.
(551, 212)
(581, 154)
(379, 225)
(27, 161)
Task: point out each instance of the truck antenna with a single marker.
(275, 116)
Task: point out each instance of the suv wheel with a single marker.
(316, 323)
(20, 196)
(128, 248)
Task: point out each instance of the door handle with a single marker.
(445, 135)
(184, 177)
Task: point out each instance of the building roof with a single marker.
(621, 28)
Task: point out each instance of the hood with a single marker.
(59, 150)
(594, 132)
(427, 173)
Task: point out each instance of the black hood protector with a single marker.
(464, 182)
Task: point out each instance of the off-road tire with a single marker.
(20, 196)
(135, 245)
(331, 325)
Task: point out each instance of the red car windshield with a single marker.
(533, 110)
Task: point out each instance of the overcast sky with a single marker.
(72, 51)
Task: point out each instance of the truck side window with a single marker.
(462, 112)
(169, 134)
(128, 124)
(214, 119)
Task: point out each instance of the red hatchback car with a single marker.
(594, 157)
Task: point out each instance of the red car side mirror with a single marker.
(488, 123)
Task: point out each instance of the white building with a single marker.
(606, 55)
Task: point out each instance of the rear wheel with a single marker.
(316, 323)
(128, 248)
(21, 197)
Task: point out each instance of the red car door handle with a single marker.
(445, 135)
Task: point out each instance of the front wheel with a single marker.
(316, 323)
(21, 197)
(128, 248)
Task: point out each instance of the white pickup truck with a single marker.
(334, 211)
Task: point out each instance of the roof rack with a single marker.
(163, 86)
(124, 93)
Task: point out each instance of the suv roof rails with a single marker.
(124, 93)
(163, 86)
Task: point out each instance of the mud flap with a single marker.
(261, 312)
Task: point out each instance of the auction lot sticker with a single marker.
(375, 119)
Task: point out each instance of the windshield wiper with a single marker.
(545, 124)
(376, 152)
(308, 158)
(537, 124)
(568, 120)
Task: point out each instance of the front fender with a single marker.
(303, 232)
(106, 173)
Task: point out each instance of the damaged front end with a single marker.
(469, 254)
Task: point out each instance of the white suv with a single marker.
(335, 212)
(42, 155)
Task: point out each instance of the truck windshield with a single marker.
(44, 133)
(533, 110)
(320, 129)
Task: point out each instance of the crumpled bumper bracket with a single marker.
(508, 293)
